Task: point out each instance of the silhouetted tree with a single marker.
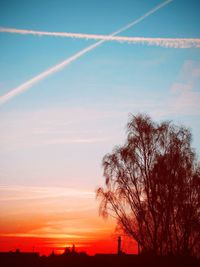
(152, 187)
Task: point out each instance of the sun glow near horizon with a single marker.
(59, 216)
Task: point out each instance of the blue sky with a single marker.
(58, 131)
(53, 136)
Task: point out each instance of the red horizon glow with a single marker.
(45, 246)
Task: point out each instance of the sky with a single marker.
(55, 133)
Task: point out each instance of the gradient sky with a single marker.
(54, 135)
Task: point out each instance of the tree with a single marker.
(152, 187)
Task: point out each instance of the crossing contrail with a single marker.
(28, 84)
(164, 42)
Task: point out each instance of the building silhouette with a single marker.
(72, 258)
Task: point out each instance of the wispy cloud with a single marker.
(62, 141)
(184, 97)
(45, 129)
(185, 91)
(163, 42)
(28, 84)
(186, 100)
(15, 192)
(47, 235)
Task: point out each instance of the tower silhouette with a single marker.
(119, 245)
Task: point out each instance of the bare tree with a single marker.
(152, 187)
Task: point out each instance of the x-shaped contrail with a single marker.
(28, 84)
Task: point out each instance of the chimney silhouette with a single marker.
(119, 245)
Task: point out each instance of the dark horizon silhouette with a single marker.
(70, 257)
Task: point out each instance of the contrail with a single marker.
(25, 86)
(164, 42)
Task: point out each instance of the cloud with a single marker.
(185, 100)
(14, 193)
(55, 126)
(179, 88)
(184, 95)
(196, 72)
(163, 42)
(25, 86)
(62, 141)
(189, 72)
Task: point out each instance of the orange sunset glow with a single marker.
(51, 219)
